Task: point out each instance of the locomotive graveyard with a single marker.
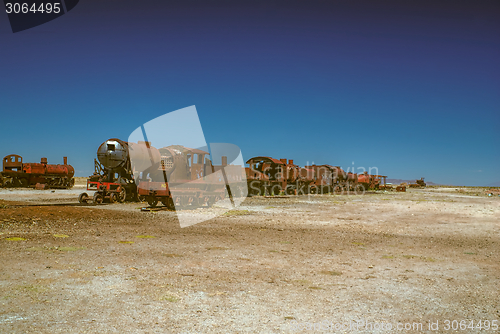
(423, 255)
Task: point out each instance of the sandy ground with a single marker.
(275, 265)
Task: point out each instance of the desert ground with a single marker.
(274, 265)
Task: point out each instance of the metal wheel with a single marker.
(185, 201)
(275, 190)
(195, 202)
(83, 198)
(16, 182)
(211, 201)
(254, 192)
(254, 188)
(122, 195)
(152, 201)
(98, 198)
(169, 203)
(359, 189)
(113, 197)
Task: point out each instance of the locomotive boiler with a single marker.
(15, 173)
(113, 179)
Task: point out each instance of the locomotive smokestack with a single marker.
(43, 161)
(65, 159)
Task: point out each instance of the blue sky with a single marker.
(411, 88)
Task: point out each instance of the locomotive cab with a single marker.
(13, 163)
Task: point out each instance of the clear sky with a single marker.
(409, 87)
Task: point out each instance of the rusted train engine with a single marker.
(368, 181)
(113, 179)
(268, 176)
(42, 175)
(418, 184)
(176, 176)
(182, 177)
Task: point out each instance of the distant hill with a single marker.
(399, 181)
(494, 184)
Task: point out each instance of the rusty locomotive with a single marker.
(41, 175)
(185, 177)
(113, 178)
(269, 176)
(139, 172)
(178, 176)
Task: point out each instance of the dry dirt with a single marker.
(272, 266)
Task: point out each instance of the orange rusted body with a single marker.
(18, 174)
(185, 177)
(369, 181)
(269, 176)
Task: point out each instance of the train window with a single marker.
(111, 147)
(195, 158)
(189, 160)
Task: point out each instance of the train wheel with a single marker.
(15, 182)
(152, 201)
(359, 189)
(23, 183)
(177, 201)
(83, 198)
(71, 183)
(98, 198)
(275, 190)
(211, 201)
(185, 201)
(195, 202)
(122, 195)
(254, 192)
(113, 197)
(169, 203)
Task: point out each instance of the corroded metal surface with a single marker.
(16, 173)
